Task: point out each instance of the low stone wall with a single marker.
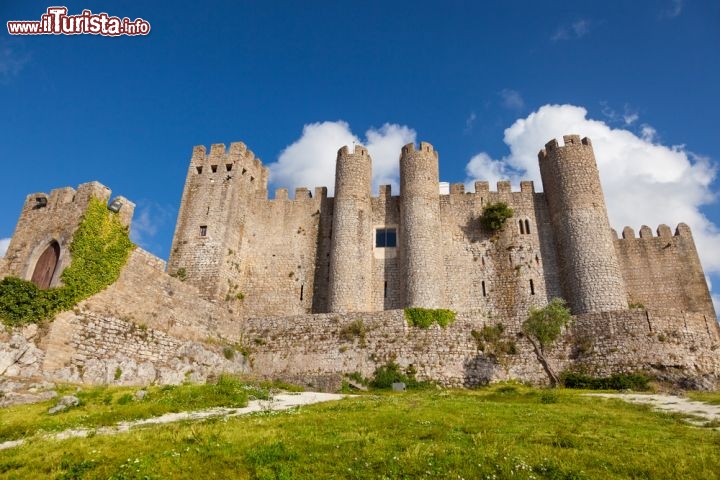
(681, 347)
(88, 348)
(320, 349)
(145, 294)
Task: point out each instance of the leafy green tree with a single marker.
(543, 327)
(494, 215)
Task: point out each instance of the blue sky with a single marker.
(488, 83)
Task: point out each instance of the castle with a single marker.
(285, 277)
(359, 253)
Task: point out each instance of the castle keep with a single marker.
(362, 253)
(311, 288)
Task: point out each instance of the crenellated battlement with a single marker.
(357, 150)
(663, 231)
(238, 159)
(570, 141)
(425, 147)
(59, 199)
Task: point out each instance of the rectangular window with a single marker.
(203, 230)
(386, 238)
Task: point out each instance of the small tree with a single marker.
(542, 327)
(494, 215)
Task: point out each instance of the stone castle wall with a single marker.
(664, 271)
(317, 254)
(678, 346)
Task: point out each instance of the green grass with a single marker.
(507, 431)
(106, 406)
(708, 397)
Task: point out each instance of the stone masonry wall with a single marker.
(664, 271)
(680, 347)
(502, 273)
(284, 255)
(145, 294)
(100, 349)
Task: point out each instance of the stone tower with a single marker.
(590, 274)
(212, 216)
(40, 246)
(352, 233)
(420, 241)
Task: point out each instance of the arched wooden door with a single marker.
(46, 265)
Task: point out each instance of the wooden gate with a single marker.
(46, 265)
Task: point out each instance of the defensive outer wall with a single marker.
(289, 310)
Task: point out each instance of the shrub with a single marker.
(229, 353)
(390, 373)
(99, 249)
(180, 274)
(616, 381)
(125, 399)
(494, 215)
(353, 330)
(424, 317)
(490, 341)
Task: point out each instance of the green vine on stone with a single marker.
(100, 248)
(424, 317)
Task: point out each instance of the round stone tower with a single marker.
(350, 288)
(420, 235)
(589, 271)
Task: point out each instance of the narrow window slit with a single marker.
(522, 230)
(302, 287)
(527, 227)
(532, 288)
(385, 290)
(483, 288)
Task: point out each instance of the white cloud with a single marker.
(511, 99)
(12, 59)
(310, 160)
(577, 29)
(149, 218)
(4, 242)
(673, 10)
(470, 122)
(716, 303)
(645, 183)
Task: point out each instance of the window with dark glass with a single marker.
(386, 238)
(203, 230)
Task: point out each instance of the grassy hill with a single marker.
(504, 431)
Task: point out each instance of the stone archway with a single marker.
(46, 266)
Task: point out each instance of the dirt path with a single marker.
(671, 403)
(282, 401)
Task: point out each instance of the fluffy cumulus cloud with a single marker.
(4, 242)
(645, 182)
(310, 160)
